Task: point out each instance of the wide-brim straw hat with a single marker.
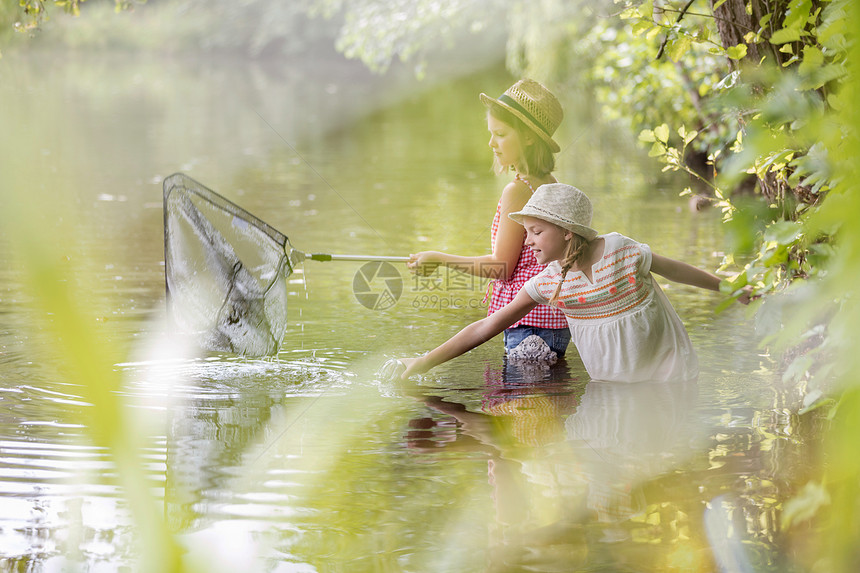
(534, 105)
(562, 205)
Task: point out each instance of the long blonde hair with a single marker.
(574, 253)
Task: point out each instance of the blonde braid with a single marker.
(574, 252)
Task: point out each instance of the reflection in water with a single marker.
(630, 432)
(568, 459)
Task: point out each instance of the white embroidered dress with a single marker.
(621, 322)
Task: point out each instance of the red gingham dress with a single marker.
(504, 291)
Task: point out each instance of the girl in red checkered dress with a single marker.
(521, 124)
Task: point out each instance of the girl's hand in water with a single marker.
(413, 366)
(391, 370)
(423, 263)
(401, 368)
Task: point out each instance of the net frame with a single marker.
(180, 192)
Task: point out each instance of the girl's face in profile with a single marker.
(505, 143)
(546, 240)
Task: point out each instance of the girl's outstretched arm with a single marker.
(508, 245)
(473, 335)
(681, 272)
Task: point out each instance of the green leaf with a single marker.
(653, 32)
(790, 61)
(733, 284)
(647, 136)
(737, 52)
(812, 58)
(815, 72)
(686, 136)
(778, 256)
(679, 47)
(657, 150)
(786, 35)
(724, 305)
(641, 26)
(661, 132)
(798, 14)
(833, 28)
(782, 232)
(690, 137)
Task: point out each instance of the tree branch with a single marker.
(713, 17)
(666, 38)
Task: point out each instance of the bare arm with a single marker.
(473, 335)
(506, 251)
(486, 266)
(680, 272)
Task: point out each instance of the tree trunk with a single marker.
(733, 23)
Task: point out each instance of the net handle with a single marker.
(325, 257)
(294, 256)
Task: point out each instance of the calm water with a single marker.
(305, 462)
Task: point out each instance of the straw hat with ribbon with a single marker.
(562, 205)
(534, 105)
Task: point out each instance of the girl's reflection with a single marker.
(567, 455)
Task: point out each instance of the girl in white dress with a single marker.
(620, 321)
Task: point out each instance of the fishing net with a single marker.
(226, 271)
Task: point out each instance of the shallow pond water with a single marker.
(305, 461)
